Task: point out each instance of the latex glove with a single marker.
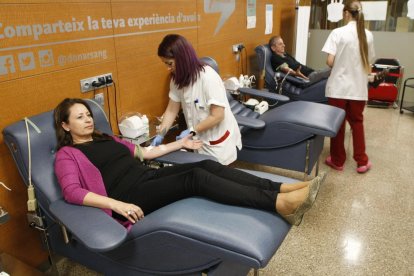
(157, 140)
(183, 134)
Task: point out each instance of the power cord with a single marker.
(109, 107)
(240, 52)
(245, 57)
(116, 102)
(31, 201)
(108, 80)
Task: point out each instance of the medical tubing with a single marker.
(281, 84)
(116, 102)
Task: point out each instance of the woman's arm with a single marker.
(154, 152)
(214, 118)
(130, 211)
(330, 60)
(169, 116)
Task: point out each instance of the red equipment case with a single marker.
(386, 93)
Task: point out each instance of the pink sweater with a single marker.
(77, 176)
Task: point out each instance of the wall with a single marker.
(387, 45)
(47, 47)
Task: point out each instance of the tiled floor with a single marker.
(360, 224)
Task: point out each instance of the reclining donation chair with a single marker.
(188, 237)
(295, 88)
(290, 136)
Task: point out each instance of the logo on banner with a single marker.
(225, 7)
(7, 65)
(46, 58)
(26, 61)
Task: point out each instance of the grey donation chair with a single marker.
(294, 88)
(187, 237)
(289, 136)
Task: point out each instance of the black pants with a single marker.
(206, 179)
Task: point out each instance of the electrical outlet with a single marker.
(100, 99)
(237, 47)
(96, 82)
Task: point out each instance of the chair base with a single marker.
(301, 157)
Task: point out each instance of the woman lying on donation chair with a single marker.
(103, 171)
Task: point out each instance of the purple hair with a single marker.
(187, 64)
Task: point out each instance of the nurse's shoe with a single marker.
(364, 169)
(329, 162)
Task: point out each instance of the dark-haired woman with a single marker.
(349, 49)
(102, 171)
(199, 91)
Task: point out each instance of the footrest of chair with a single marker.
(223, 231)
(243, 235)
(314, 118)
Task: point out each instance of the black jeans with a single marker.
(206, 179)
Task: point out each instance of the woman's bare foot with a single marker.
(288, 202)
(292, 206)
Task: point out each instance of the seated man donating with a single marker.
(282, 61)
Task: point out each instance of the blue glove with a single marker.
(183, 134)
(157, 140)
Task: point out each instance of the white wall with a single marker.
(387, 45)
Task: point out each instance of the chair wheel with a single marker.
(401, 111)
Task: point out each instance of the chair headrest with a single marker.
(211, 62)
(43, 149)
(264, 54)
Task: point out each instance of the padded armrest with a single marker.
(182, 157)
(249, 122)
(296, 81)
(263, 94)
(84, 222)
(315, 118)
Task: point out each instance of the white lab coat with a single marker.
(195, 101)
(348, 79)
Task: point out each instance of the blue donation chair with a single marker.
(289, 136)
(188, 237)
(295, 88)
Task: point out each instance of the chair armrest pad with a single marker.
(250, 122)
(263, 94)
(297, 81)
(183, 157)
(84, 222)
